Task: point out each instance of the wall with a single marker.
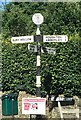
(54, 112)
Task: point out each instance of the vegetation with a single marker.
(60, 73)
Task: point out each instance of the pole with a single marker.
(38, 77)
(38, 19)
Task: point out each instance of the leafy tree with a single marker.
(59, 18)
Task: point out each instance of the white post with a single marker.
(0, 105)
(38, 30)
(38, 77)
(60, 110)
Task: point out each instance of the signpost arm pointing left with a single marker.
(22, 39)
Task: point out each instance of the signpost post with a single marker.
(38, 19)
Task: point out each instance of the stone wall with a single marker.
(52, 114)
(51, 110)
(22, 95)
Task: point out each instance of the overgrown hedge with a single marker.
(60, 73)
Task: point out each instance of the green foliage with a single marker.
(60, 73)
(64, 69)
(59, 18)
(17, 66)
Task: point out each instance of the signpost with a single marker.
(22, 39)
(55, 38)
(45, 38)
(38, 19)
(33, 48)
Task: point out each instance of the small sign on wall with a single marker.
(33, 106)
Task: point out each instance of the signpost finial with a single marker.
(38, 19)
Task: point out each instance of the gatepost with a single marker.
(38, 19)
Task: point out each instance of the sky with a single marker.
(3, 2)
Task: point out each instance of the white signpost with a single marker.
(33, 48)
(46, 38)
(55, 38)
(22, 39)
(34, 106)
